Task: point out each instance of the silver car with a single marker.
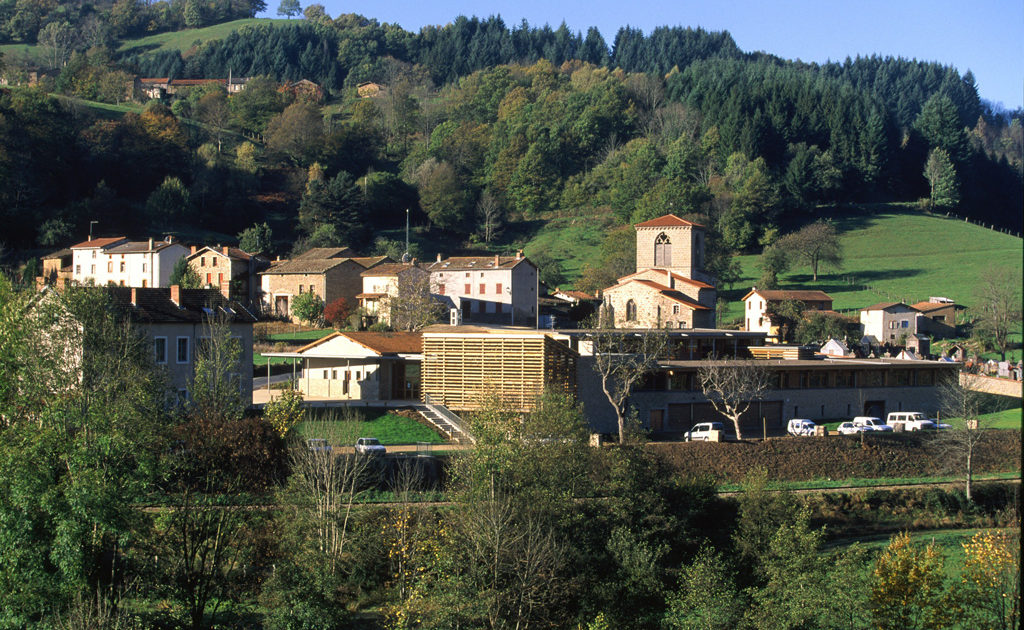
(370, 446)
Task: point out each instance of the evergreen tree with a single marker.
(941, 176)
(939, 124)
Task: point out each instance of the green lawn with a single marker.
(894, 252)
(571, 242)
(389, 429)
(183, 40)
(301, 336)
(28, 52)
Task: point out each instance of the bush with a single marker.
(336, 313)
(308, 307)
(285, 411)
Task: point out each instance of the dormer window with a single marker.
(662, 251)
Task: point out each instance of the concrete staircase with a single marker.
(446, 422)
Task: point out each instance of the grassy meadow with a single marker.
(184, 40)
(891, 252)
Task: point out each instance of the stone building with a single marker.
(670, 287)
(229, 269)
(330, 273)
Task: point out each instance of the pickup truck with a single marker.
(909, 421)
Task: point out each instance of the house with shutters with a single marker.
(384, 283)
(120, 262)
(230, 270)
(759, 304)
(890, 322)
(329, 272)
(670, 287)
(488, 289)
(938, 316)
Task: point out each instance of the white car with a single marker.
(800, 426)
(370, 446)
(849, 428)
(318, 445)
(871, 423)
(702, 432)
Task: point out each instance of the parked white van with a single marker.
(800, 426)
(909, 421)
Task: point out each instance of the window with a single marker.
(110, 266)
(467, 274)
(208, 281)
(220, 278)
(143, 283)
(160, 349)
(213, 261)
(483, 288)
(183, 355)
(202, 261)
(94, 253)
(497, 288)
(469, 289)
(631, 311)
(905, 324)
(122, 266)
(143, 267)
(93, 270)
(300, 286)
(662, 251)
(121, 283)
(78, 270)
(440, 289)
(675, 309)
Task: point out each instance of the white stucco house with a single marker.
(120, 262)
(488, 289)
(889, 322)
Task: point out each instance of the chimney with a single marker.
(193, 248)
(412, 263)
(135, 297)
(168, 239)
(438, 256)
(151, 243)
(90, 237)
(496, 261)
(519, 254)
(176, 295)
(225, 250)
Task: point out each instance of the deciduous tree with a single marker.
(998, 306)
(621, 359)
(732, 387)
(815, 245)
(942, 179)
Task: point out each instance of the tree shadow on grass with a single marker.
(844, 283)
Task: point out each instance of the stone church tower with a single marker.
(670, 287)
(671, 243)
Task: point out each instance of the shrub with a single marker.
(336, 313)
(308, 307)
(285, 411)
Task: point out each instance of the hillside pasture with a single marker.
(895, 252)
(184, 40)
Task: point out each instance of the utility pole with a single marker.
(405, 256)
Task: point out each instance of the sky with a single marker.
(984, 36)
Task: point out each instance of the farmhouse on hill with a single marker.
(889, 322)
(758, 305)
(670, 287)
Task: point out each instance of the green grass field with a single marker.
(183, 40)
(892, 252)
(389, 429)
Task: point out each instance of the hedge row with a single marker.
(905, 455)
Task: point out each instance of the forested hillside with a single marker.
(483, 131)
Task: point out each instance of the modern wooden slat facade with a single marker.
(463, 370)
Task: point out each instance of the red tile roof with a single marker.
(925, 307)
(678, 277)
(380, 343)
(778, 295)
(476, 263)
(669, 220)
(667, 292)
(99, 242)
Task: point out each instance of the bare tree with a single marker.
(58, 40)
(732, 387)
(488, 211)
(960, 443)
(999, 308)
(328, 484)
(621, 359)
(413, 307)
